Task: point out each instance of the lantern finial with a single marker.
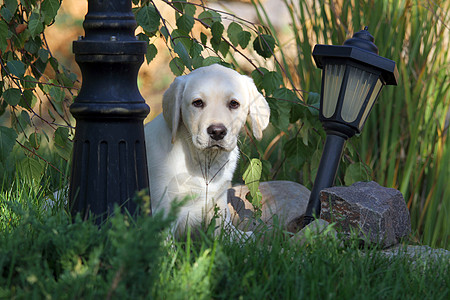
(362, 40)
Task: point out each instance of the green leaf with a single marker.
(50, 113)
(35, 140)
(179, 5)
(207, 17)
(12, 96)
(54, 63)
(233, 31)
(24, 119)
(264, 45)
(31, 168)
(314, 101)
(28, 99)
(251, 178)
(11, 5)
(3, 35)
(3, 106)
(297, 112)
(196, 50)
(285, 94)
(197, 62)
(215, 16)
(63, 144)
(279, 113)
(65, 78)
(290, 103)
(244, 38)
(185, 23)
(35, 26)
(297, 152)
(151, 53)
(217, 31)
(177, 66)
(183, 54)
(203, 38)
(38, 67)
(29, 82)
(43, 55)
(224, 48)
(180, 36)
(211, 60)
(190, 9)
(33, 45)
(356, 172)
(61, 136)
(258, 77)
(272, 81)
(143, 37)
(164, 32)
(255, 200)
(49, 9)
(6, 14)
(16, 67)
(57, 94)
(252, 175)
(148, 18)
(8, 138)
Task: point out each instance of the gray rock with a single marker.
(379, 215)
(284, 200)
(418, 253)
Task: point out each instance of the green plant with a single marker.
(35, 89)
(44, 253)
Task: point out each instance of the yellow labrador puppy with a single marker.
(192, 146)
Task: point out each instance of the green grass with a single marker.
(43, 254)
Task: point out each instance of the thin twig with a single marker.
(34, 153)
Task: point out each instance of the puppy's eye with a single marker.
(198, 103)
(233, 104)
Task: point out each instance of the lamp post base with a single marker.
(328, 166)
(109, 163)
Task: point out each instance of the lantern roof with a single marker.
(361, 49)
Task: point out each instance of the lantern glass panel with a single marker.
(332, 85)
(373, 97)
(358, 86)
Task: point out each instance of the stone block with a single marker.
(377, 214)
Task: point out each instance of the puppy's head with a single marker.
(213, 104)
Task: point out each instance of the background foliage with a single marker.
(405, 144)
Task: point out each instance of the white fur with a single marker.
(183, 160)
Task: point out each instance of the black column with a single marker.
(109, 163)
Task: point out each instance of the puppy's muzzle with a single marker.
(217, 131)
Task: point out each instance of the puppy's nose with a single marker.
(217, 131)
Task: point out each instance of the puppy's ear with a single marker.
(171, 104)
(259, 111)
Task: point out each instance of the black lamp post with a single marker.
(352, 78)
(109, 163)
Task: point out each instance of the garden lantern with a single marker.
(352, 78)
